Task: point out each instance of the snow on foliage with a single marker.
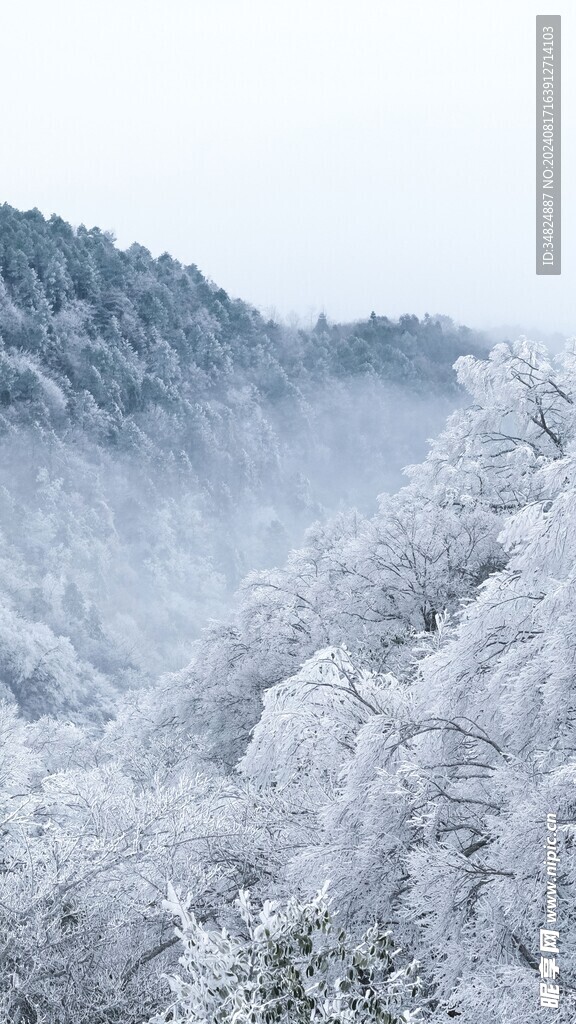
(393, 709)
(292, 965)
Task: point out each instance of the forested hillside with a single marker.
(392, 710)
(159, 440)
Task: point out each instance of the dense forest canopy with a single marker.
(159, 440)
(338, 807)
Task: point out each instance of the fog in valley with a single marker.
(128, 559)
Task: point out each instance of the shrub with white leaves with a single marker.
(289, 964)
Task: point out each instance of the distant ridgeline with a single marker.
(119, 333)
(159, 439)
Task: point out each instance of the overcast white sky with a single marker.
(345, 154)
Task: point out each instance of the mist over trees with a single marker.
(159, 440)
(332, 805)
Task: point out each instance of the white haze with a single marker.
(348, 155)
(130, 565)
